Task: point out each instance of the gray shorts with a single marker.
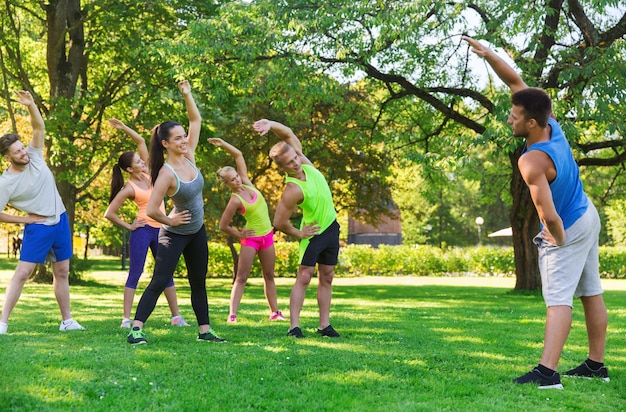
(571, 270)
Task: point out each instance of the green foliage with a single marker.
(491, 261)
(365, 84)
(404, 260)
(615, 222)
(221, 261)
(363, 260)
(78, 267)
(613, 262)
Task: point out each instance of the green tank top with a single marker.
(317, 205)
(256, 213)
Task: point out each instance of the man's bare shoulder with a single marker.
(292, 194)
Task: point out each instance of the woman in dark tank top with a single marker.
(183, 230)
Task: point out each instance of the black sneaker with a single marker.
(584, 371)
(296, 331)
(211, 336)
(328, 331)
(136, 336)
(544, 381)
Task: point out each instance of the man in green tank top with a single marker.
(307, 189)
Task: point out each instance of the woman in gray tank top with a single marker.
(182, 231)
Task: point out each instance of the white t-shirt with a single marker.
(33, 190)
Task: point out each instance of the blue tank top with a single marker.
(568, 196)
(188, 196)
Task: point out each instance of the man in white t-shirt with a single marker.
(28, 186)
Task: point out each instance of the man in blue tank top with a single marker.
(568, 241)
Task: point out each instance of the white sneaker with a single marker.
(126, 323)
(70, 324)
(179, 321)
(3, 328)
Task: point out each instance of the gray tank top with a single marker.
(188, 196)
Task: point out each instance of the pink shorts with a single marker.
(259, 242)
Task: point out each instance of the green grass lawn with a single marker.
(404, 347)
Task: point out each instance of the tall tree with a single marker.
(413, 49)
(84, 61)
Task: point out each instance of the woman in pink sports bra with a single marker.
(256, 238)
(144, 231)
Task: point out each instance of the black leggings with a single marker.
(171, 246)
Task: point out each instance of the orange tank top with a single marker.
(142, 196)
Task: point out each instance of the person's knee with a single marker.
(326, 276)
(22, 275)
(268, 275)
(61, 275)
(304, 277)
(133, 281)
(241, 279)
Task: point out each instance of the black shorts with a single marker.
(322, 248)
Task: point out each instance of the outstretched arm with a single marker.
(502, 69)
(284, 133)
(142, 148)
(193, 114)
(236, 154)
(36, 120)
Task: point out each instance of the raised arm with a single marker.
(36, 121)
(142, 148)
(193, 114)
(240, 162)
(502, 69)
(283, 132)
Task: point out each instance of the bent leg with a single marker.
(14, 288)
(169, 251)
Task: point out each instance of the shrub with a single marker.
(402, 260)
(613, 262)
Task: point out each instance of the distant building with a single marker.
(387, 232)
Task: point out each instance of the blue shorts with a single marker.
(44, 243)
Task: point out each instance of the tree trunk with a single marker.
(41, 274)
(525, 225)
(66, 61)
(86, 251)
(235, 255)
